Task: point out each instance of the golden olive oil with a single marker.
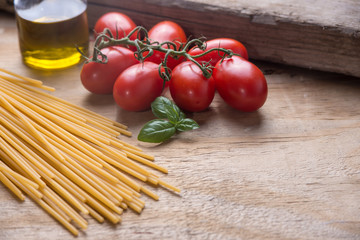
(51, 32)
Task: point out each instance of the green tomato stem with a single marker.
(106, 39)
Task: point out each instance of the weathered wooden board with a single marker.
(7, 5)
(323, 35)
(289, 171)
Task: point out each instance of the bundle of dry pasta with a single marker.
(68, 159)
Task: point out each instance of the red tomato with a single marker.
(240, 83)
(138, 86)
(190, 90)
(163, 32)
(99, 78)
(214, 56)
(116, 21)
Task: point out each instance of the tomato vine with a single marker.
(145, 48)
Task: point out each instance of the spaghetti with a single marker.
(68, 159)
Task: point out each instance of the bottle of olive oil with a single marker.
(50, 31)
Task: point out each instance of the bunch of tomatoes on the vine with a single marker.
(136, 66)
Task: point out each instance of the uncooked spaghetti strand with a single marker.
(69, 173)
(101, 120)
(133, 206)
(8, 104)
(94, 214)
(54, 114)
(111, 160)
(69, 127)
(130, 171)
(51, 211)
(100, 208)
(15, 126)
(74, 152)
(123, 159)
(68, 196)
(75, 107)
(112, 217)
(20, 175)
(90, 189)
(108, 165)
(119, 141)
(106, 127)
(30, 188)
(124, 206)
(102, 156)
(61, 190)
(57, 120)
(65, 207)
(47, 111)
(21, 178)
(167, 185)
(24, 150)
(30, 124)
(152, 180)
(138, 202)
(95, 165)
(121, 193)
(37, 82)
(133, 151)
(149, 193)
(53, 160)
(59, 117)
(145, 161)
(38, 101)
(86, 134)
(62, 133)
(8, 150)
(70, 186)
(134, 192)
(11, 186)
(72, 106)
(56, 208)
(21, 82)
(93, 180)
(58, 217)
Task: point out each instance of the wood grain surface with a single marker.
(288, 171)
(323, 34)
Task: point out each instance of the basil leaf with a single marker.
(181, 115)
(164, 108)
(186, 124)
(156, 131)
(170, 119)
(158, 107)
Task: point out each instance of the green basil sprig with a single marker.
(170, 120)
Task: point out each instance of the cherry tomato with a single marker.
(214, 56)
(166, 31)
(190, 90)
(99, 78)
(240, 83)
(138, 86)
(118, 23)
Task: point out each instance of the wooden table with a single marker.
(288, 171)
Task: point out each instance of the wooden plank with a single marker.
(6, 5)
(289, 171)
(323, 35)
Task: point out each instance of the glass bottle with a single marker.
(51, 32)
